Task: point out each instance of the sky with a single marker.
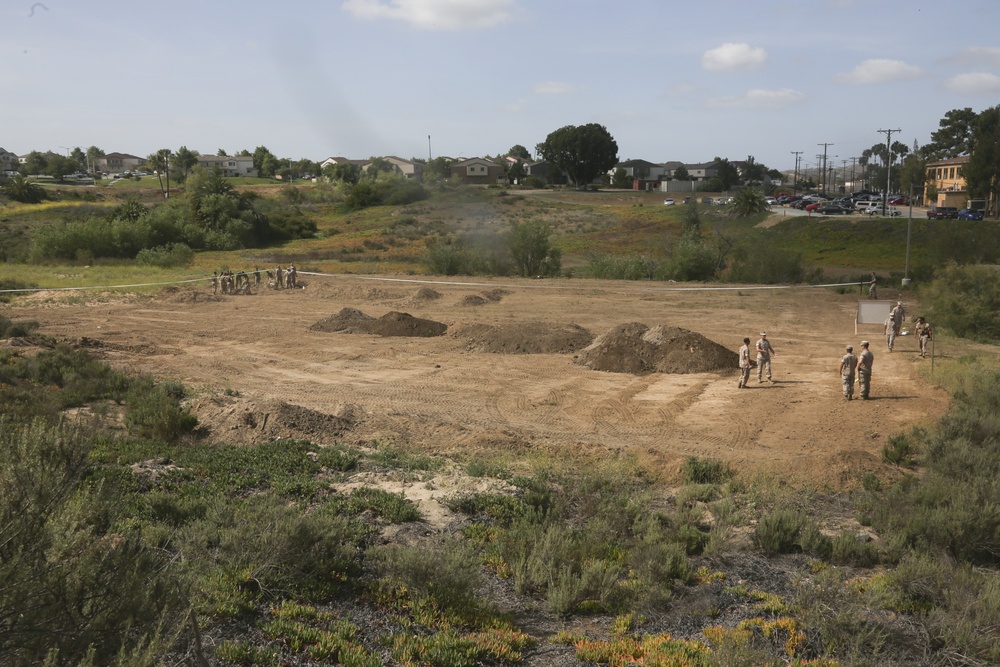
(670, 79)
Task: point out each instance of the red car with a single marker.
(899, 200)
(813, 207)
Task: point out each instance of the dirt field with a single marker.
(502, 377)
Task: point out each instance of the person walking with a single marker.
(744, 364)
(873, 287)
(898, 316)
(865, 361)
(890, 332)
(923, 333)
(215, 282)
(848, 365)
(764, 352)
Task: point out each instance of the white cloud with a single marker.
(435, 14)
(974, 83)
(759, 98)
(879, 70)
(554, 88)
(516, 106)
(733, 57)
(986, 56)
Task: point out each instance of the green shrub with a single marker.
(695, 470)
(855, 550)
(899, 451)
(624, 267)
(966, 300)
(173, 254)
(155, 413)
(532, 251)
(447, 574)
(778, 532)
(689, 260)
(393, 507)
(446, 257)
(83, 584)
(757, 260)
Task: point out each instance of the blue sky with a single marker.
(670, 80)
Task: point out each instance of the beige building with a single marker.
(945, 177)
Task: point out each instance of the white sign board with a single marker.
(872, 312)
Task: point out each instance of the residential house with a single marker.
(229, 165)
(478, 171)
(9, 162)
(116, 163)
(407, 168)
(946, 178)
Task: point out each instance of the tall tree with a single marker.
(581, 152)
(265, 162)
(35, 163)
(160, 163)
(93, 155)
(80, 158)
(954, 135)
(221, 152)
(58, 166)
(727, 173)
(982, 173)
(519, 151)
(184, 161)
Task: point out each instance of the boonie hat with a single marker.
(763, 333)
(865, 343)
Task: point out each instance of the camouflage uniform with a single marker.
(865, 361)
(744, 364)
(848, 365)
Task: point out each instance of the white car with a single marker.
(668, 202)
(876, 209)
(771, 201)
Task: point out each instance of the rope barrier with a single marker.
(440, 282)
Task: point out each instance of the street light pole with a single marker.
(795, 185)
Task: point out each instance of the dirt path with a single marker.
(437, 394)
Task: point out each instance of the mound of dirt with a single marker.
(472, 300)
(188, 295)
(427, 294)
(393, 323)
(496, 294)
(635, 348)
(525, 338)
(238, 421)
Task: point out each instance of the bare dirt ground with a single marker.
(258, 368)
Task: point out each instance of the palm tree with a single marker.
(160, 162)
(22, 190)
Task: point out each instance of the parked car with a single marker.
(668, 202)
(899, 200)
(719, 201)
(813, 206)
(877, 209)
(942, 212)
(966, 214)
(771, 201)
(832, 208)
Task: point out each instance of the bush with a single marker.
(174, 254)
(966, 300)
(446, 257)
(446, 574)
(530, 248)
(85, 587)
(705, 471)
(758, 260)
(778, 532)
(624, 267)
(155, 413)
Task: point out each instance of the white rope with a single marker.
(438, 282)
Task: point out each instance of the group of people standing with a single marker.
(764, 350)
(852, 367)
(240, 283)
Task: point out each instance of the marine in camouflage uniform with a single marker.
(865, 361)
(848, 365)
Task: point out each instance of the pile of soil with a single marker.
(496, 294)
(488, 296)
(635, 348)
(525, 338)
(472, 300)
(238, 421)
(427, 294)
(189, 295)
(393, 323)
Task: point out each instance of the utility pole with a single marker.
(824, 165)
(795, 185)
(821, 172)
(888, 168)
(853, 162)
(429, 158)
